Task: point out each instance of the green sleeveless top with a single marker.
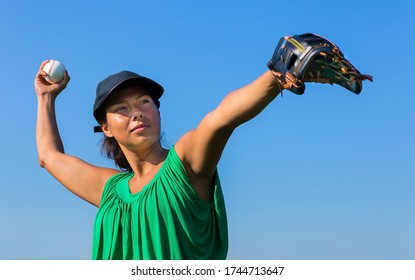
(165, 220)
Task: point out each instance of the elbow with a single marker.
(44, 159)
(42, 162)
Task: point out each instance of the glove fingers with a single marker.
(330, 68)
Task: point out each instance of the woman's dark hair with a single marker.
(110, 146)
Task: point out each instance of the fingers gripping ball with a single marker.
(54, 70)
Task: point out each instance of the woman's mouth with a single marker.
(139, 128)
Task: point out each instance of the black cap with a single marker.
(123, 78)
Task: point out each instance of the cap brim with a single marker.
(97, 129)
(153, 87)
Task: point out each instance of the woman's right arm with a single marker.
(83, 179)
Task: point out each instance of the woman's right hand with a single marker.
(43, 87)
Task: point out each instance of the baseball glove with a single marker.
(311, 58)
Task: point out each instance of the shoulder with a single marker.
(111, 185)
(118, 177)
(115, 179)
(182, 144)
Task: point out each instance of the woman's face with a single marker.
(132, 118)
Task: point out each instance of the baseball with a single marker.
(54, 71)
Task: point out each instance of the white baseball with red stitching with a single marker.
(54, 70)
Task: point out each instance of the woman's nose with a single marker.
(137, 114)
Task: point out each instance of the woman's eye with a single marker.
(145, 103)
(120, 109)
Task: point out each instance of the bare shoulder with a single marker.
(106, 173)
(183, 144)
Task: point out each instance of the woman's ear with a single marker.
(105, 128)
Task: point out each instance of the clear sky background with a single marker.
(326, 175)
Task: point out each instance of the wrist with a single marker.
(46, 99)
(277, 80)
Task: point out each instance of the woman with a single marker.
(165, 204)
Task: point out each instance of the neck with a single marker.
(146, 159)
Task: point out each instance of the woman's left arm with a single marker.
(201, 149)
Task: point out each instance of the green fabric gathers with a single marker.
(165, 220)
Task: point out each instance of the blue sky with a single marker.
(326, 175)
